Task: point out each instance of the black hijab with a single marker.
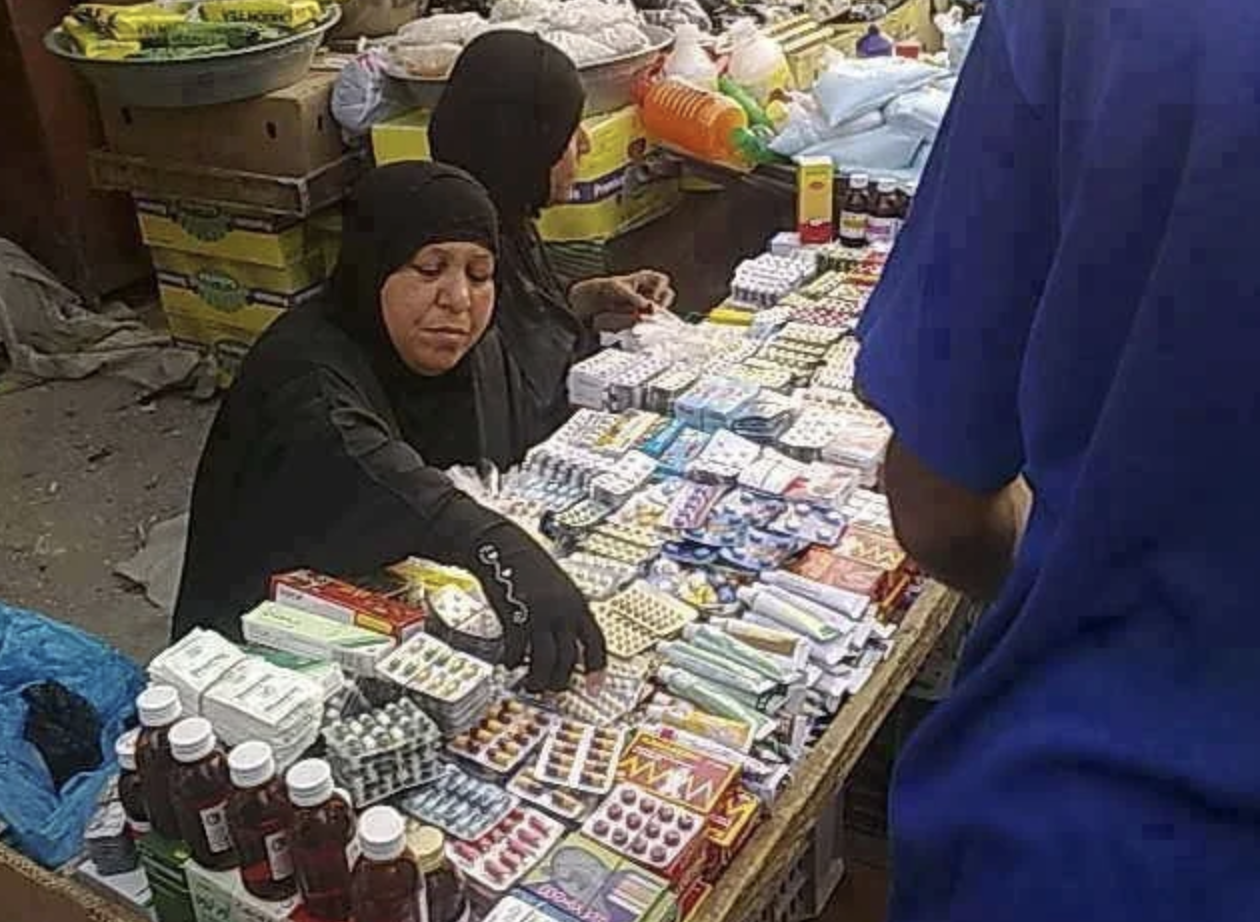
(509, 110)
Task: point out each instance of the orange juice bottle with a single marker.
(697, 121)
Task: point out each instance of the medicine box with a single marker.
(355, 649)
(622, 182)
(341, 601)
(590, 883)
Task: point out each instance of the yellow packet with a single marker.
(129, 23)
(292, 14)
(92, 44)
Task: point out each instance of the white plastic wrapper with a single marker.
(444, 28)
(581, 50)
(807, 126)
(588, 16)
(920, 112)
(883, 151)
(512, 10)
(427, 60)
(851, 88)
(622, 37)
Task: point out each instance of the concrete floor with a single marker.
(84, 470)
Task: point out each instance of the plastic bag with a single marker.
(361, 97)
(444, 28)
(580, 49)
(958, 33)
(46, 824)
(884, 151)
(920, 112)
(510, 10)
(621, 37)
(426, 60)
(807, 126)
(851, 88)
(586, 16)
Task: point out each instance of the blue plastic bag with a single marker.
(45, 824)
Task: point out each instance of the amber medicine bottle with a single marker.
(159, 709)
(130, 787)
(443, 886)
(259, 817)
(386, 885)
(323, 841)
(200, 788)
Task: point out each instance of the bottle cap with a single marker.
(310, 783)
(192, 739)
(251, 764)
(125, 749)
(887, 185)
(428, 844)
(859, 181)
(382, 833)
(159, 706)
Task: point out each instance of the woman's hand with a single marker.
(545, 618)
(618, 302)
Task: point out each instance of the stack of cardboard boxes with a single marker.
(259, 242)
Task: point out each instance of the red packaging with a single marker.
(690, 902)
(678, 774)
(879, 550)
(729, 829)
(338, 600)
(667, 839)
(825, 566)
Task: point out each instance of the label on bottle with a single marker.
(139, 827)
(853, 226)
(279, 860)
(214, 824)
(353, 851)
(881, 231)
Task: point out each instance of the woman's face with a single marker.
(439, 304)
(564, 171)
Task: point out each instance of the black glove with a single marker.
(541, 610)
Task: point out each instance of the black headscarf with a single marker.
(509, 109)
(392, 213)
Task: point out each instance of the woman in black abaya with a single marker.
(328, 450)
(510, 115)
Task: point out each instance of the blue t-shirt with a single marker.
(1077, 297)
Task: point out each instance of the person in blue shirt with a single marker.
(1075, 304)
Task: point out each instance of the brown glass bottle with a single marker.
(130, 788)
(855, 211)
(444, 889)
(259, 817)
(323, 841)
(159, 709)
(200, 788)
(386, 885)
(881, 226)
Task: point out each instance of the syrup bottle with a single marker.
(159, 708)
(323, 841)
(386, 885)
(443, 886)
(881, 226)
(130, 787)
(259, 817)
(200, 788)
(855, 211)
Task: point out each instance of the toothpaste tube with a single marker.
(725, 645)
(715, 699)
(842, 622)
(779, 643)
(849, 603)
(827, 655)
(704, 663)
(683, 715)
(787, 615)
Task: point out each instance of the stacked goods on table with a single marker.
(747, 582)
(166, 31)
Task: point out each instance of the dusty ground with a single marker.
(84, 469)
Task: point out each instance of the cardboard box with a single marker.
(346, 603)
(590, 883)
(220, 896)
(28, 891)
(226, 282)
(815, 199)
(622, 183)
(210, 230)
(289, 132)
(353, 648)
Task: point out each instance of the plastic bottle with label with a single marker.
(855, 211)
(323, 842)
(884, 219)
(696, 121)
(386, 885)
(130, 787)
(757, 62)
(259, 817)
(159, 709)
(200, 788)
(689, 61)
(443, 886)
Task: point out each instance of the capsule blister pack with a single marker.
(460, 804)
(377, 754)
(573, 806)
(455, 687)
(503, 855)
(504, 737)
(581, 756)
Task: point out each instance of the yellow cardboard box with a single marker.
(622, 183)
(219, 278)
(198, 227)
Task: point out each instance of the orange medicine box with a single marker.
(678, 774)
(340, 601)
(729, 829)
